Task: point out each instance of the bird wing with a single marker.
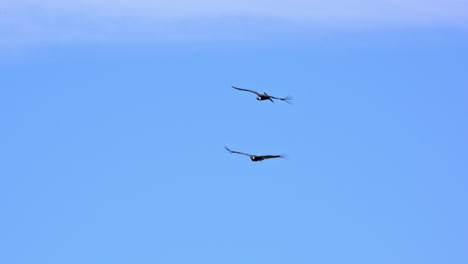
(240, 89)
(271, 156)
(287, 99)
(236, 151)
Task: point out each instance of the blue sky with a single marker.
(113, 137)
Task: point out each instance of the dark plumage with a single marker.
(256, 157)
(265, 96)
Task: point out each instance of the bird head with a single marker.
(259, 98)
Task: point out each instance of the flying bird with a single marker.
(265, 96)
(256, 157)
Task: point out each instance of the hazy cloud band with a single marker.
(51, 21)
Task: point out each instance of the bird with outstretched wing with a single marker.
(265, 96)
(256, 157)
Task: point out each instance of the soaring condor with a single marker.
(256, 157)
(265, 96)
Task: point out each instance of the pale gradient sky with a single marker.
(54, 22)
(114, 120)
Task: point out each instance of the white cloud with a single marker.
(55, 21)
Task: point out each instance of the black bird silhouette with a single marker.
(256, 157)
(265, 96)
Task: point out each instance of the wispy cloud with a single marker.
(57, 21)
